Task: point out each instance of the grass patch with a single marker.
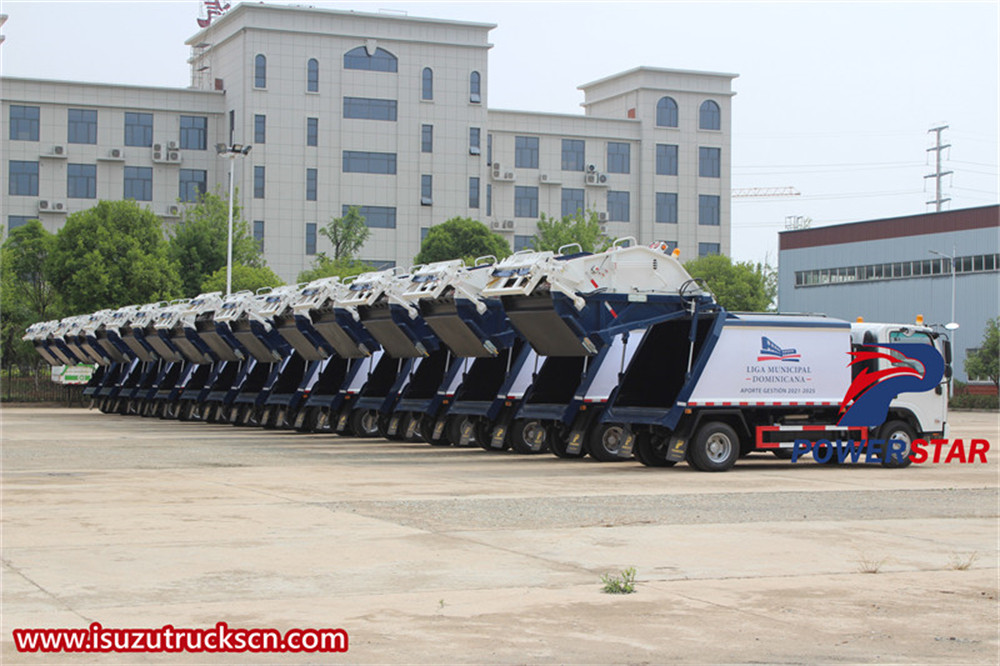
(870, 565)
(623, 583)
(963, 562)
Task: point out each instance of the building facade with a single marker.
(895, 269)
(388, 113)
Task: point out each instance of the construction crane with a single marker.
(764, 192)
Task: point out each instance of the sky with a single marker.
(833, 99)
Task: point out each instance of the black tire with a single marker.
(558, 445)
(364, 423)
(651, 450)
(454, 427)
(427, 426)
(484, 436)
(715, 448)
(524, 434)
(899, 430)
(604, 442)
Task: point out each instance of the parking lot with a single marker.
(433, 555)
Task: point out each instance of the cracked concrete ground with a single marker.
(435, 555)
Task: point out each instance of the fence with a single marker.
(37, 386)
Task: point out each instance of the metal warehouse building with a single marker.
(897, 268)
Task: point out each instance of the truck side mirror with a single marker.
(947, 353)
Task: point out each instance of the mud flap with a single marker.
(500, 433)
(342, 421)
(411, 427)
(537, 439)
(575, 443)
(578, 434)
(626, 449)
(677, 450)
(468, 433)
(393, 425)
(300, 418)
(439, 430)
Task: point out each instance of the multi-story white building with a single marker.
(386, 112)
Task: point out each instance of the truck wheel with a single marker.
(528, 436)
(427, 425)
(651, 450)
(715, 448)
(604, 442)
(484, 436)
(899, 430)
(455, 426)
(558, 445)
(364, 423)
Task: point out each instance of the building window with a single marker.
(473, 192)
(139, 129)
(15, 221)
(356, 161)
(259, 178)
(709, 162)
(312, 76)
(427, 84)
(380, 61)
(489, 150)
(259, 71)
(709, 116)
(427, 138)
(312, 131)
(260, 128)
(666, 207)
(81, 181)
(522, 242)
(572, 201)
(426, 190)
(573, 154)
(82, 126)
(194, 183)
(364, 108)
(489, 199)
(618, 206)
(525, 201)
(310, 238)
(526, 152)
(311, 184)
(23, 180)
(138, 183)
(194, 132)
(666, 159)
(423, 233)
(474, 141)
(618, 157)
(705, 249)
(258, 234)
(708, 209)
(666, 112)
(897, 270)
(376, 217)
(232, 127)
(23, 123)
(475, 95)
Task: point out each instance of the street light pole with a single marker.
(232, 152)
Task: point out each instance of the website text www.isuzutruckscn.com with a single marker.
(220, 638)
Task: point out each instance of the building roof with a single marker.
(963, 219)
(654, 70)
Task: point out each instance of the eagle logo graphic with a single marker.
(913, 368)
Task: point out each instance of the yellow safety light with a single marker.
(861, 320)
(920, 320)
(676, 252)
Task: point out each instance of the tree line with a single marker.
(119, 253)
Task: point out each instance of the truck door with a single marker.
(930, 407)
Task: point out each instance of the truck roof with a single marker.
(775, 319)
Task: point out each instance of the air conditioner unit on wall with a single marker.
(58, 150)
(174, 210)
(508, 225)
(173, 156)
(115, 153)
(59, 205)
(172, 145)
(496, 224)
(43, 204)
(602, 216)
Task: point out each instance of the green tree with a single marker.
(985, 361)
(583, 228)
(249, 278)
(112, 255)
(347, 234)
(461, 238)
(326, 267)
(198, 243)
(26, 253)
(740, 287)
